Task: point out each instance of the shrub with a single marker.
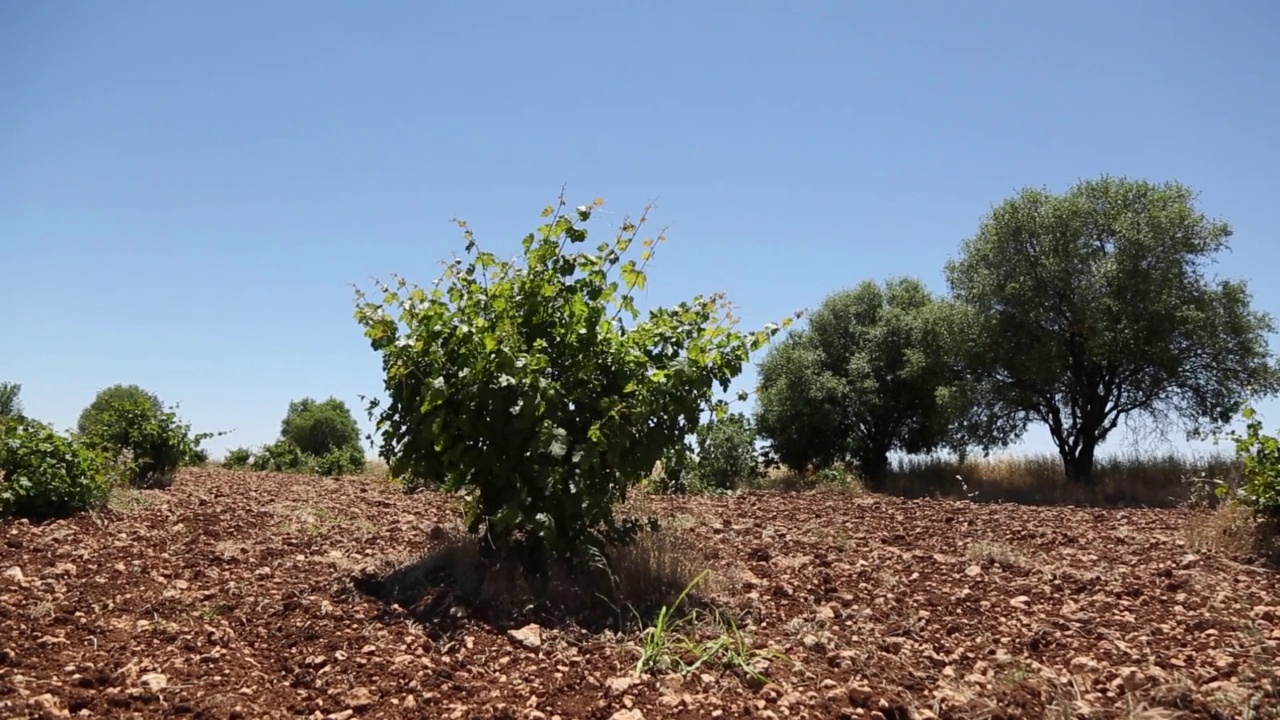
(535, 390)
(673, 475)
(1260, 456)
(339, 461)
(237, 458)
(280, 456)
(727, 454)
(129, 422)
(319, 428)
(45, 475)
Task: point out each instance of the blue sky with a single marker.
(187, 190)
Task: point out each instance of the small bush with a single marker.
(46, 475)
(125, 421)
(280, 456)
(1260, 455)
(672, 474)
(727, 455)
(339, 461)
(286, 457)
(238, 458)
(536, 389)
(320, 428)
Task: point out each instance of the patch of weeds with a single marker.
(685, 643)
(995, 552)
(127, 499)
(210, 612)
(1015, 675)
(40, 610)
(837, 479)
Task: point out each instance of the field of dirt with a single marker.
(246, 595)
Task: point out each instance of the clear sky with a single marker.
(188, 189)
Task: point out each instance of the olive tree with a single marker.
(875, 371)
(1094, 306)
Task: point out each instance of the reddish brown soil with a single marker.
(241, 590)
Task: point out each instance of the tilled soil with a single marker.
(238, 595)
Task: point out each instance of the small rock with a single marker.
(860, 694)
(153, 682)
(629, 714)
(410, 702)
(1020, 602)
(45, 702)
(344, 715)
(1132, 679)
(826, 613)
(360, 699)
(529, 636)
(1084, 664)
(619, 685)
(15, 574)
(973, 571)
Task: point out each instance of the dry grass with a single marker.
(1124, 481)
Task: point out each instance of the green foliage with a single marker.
(339, 461)
(320, 428)
(237, 458)
(535, 390)
(280, 456)
(1260, 456)
(319, 438)
(877, 370)
(93, 418)
(833, 475)
(675, 476)
(130, 423)
(285, 456)
(1093, 306)
(46, 475)
(10, 402)
(727, 455)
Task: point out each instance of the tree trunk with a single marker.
(1078, 462)
(875, 470)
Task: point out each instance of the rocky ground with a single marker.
(245, 595)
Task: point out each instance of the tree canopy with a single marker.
(318, 428)
(875, 371)
(1094, 305)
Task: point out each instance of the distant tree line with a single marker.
(1075, 311)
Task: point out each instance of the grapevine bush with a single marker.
(534, 389)
(44, 474)
(1260, 456)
